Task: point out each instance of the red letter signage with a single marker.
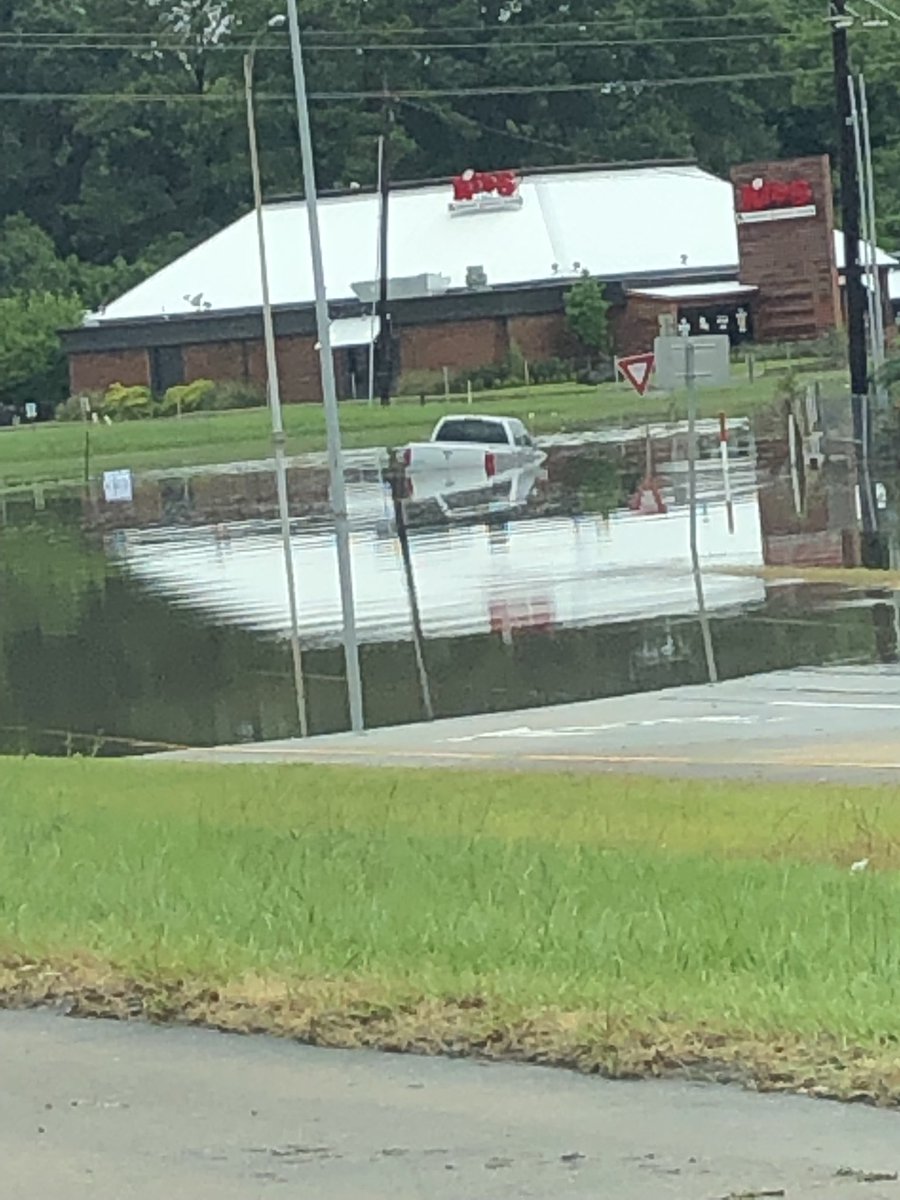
(485, 183)
(761, 198)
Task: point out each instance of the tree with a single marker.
(32, 364)
(153, 153)
(587, 311)
(29, 261)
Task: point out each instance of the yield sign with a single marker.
(637, 370)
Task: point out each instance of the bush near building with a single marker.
(120, 403)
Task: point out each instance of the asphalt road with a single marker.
(130, 1112)
(841, 723)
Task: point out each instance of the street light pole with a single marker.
(273, 387)
(329, 391)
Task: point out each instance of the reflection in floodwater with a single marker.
(165, 619)
(471, 578)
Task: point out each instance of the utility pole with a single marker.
(385, 332)
(851, 218)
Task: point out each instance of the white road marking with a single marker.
(526, 731)
(834, 704)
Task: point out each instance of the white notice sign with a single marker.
(118, 487)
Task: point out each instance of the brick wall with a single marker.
(96, 372)
(791, 261)
(299, 370)
(459, 345)
(455, 344)
(545, 336)
(637, 325)
(223, 362)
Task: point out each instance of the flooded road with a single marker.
(549, 573)
(162, 622)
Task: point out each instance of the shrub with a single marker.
(601, 371)
(121, 403)
(551, 370)
(418, 383)
(234, 394)
(205, 395)
(73, 410)
(187, 398)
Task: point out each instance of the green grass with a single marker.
(616, 924)
(54, 453)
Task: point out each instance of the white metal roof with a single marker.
(611, 222)
(882, 258)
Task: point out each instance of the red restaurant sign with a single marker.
(763, 197)
(471, 184)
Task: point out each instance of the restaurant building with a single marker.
(479, 267)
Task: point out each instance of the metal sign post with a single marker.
(690, 379)
(329, 389)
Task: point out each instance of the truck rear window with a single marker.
(472, 429)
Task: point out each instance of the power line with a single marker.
(432, 111)
(501, 28)
(608, 87)
(890, 12)
(159, 46)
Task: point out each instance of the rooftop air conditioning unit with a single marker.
(406, 287)
(476, 279)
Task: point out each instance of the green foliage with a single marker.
(421, 382)
(187, 398)
(29, 261)
(121, 403)
(232, 394)
(95, 194)
(32, 365)
(122, 178)
(515, 363)
(551, 370)
(650, 910)
(55, 451)
(829, 349)
(203, 395)
(587, 312)
(511, 373)
(74, 410)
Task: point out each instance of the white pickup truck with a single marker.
(474, 445)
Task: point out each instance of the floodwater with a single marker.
(162, 620)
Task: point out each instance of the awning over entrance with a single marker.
(347, 332)
(696, 291)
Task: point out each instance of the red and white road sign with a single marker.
(637, 369)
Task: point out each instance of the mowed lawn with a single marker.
(629, 926)
(53, 452)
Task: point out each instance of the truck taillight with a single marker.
(490, 464)
(407, 456)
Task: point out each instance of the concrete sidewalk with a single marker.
(836, 723)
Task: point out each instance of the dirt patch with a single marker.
(347, 1016)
